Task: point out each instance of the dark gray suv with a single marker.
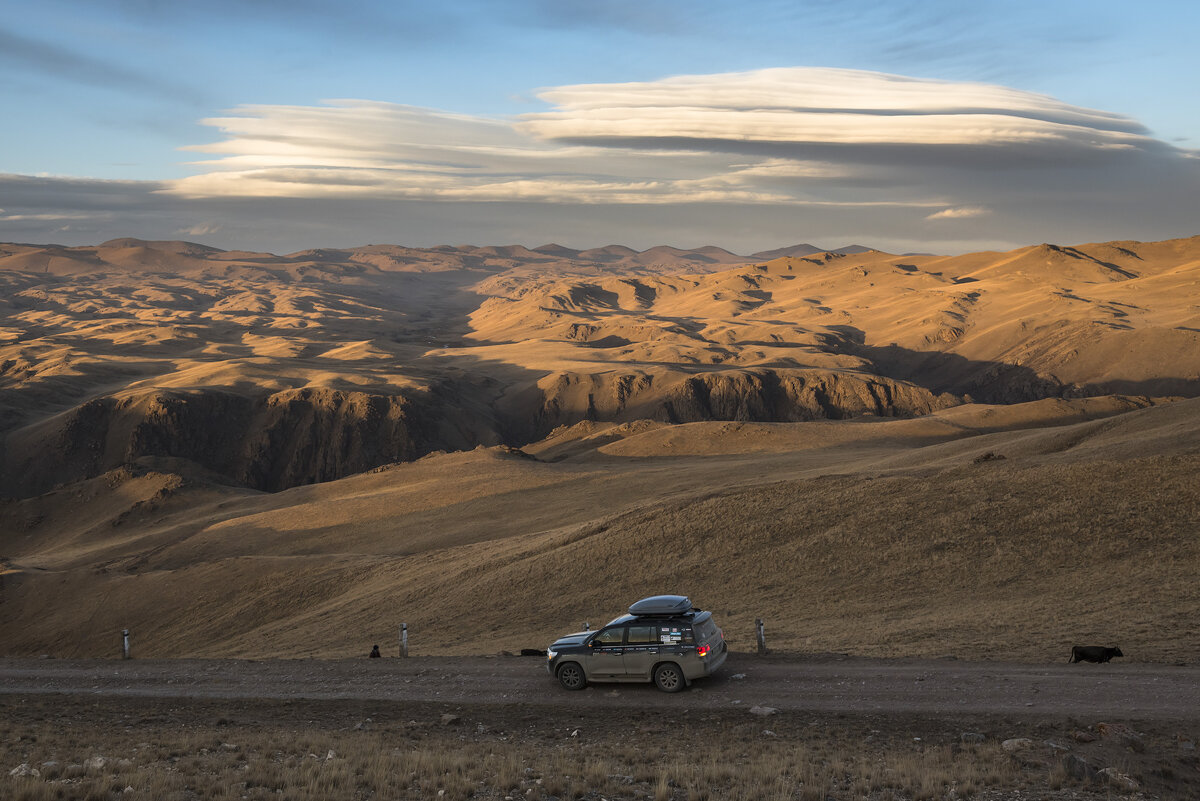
(663, 639)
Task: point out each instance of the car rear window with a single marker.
(706, 630)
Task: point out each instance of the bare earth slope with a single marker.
(275, 371)
(190, 439)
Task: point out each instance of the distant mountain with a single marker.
(665, 254)
(506, 252)
(167, 246)
(557, 251)
(794, 251)
(607, 253)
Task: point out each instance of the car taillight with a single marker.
(704, 650)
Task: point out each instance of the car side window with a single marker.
(612, 636)
(643, 635)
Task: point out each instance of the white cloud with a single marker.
(199, 229)
(44, 217)
(959, 213)
(796, 135)
(818, 154)
(804, 105)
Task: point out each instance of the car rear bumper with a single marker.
(698, 668)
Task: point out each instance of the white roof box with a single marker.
(662, 605)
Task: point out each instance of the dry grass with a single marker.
(310, 751)
(263, 766)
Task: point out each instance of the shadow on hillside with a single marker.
(994, 382)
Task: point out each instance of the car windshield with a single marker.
(610, 636)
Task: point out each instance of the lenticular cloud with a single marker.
(950, 153)
(824, 107)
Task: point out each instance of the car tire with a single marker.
(571, 676)
(668, 677)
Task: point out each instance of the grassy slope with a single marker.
(1083, 533)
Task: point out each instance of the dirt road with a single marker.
(825, 684)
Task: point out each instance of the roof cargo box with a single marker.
(661, 605)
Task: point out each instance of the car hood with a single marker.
(572, 639)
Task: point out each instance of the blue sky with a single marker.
(936, 125)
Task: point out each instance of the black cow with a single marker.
(1093, 653)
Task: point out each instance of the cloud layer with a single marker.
(804, 105)
(877, 157)
(798, 135)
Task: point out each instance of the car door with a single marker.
(641, 650)
(606, 653)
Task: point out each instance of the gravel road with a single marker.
(825, 684)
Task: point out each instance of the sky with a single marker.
(935, 126)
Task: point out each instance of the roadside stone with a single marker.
(1122, 735)
(1118, 779)
(25, 770)
(1081, 736)
(1053, 746)
(95, 763)
(228, 747)
(448, 719)
(124, 764)
(971, 737)
(1016, 744)
(1078, 768)
(738, 676)
(763, 711)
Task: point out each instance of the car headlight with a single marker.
(551, 654)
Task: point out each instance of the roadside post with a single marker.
(762, 636)
(124, 643)
(587, 626)
(403, 639)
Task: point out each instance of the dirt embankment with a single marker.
(480, 728)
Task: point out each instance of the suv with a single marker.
(663, 639)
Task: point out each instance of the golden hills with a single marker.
(190, 439)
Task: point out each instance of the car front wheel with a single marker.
(571, 676)
(668, 678)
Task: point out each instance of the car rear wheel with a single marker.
(571, 676)
(668, 678)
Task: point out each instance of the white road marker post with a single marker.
(125, 643)
(762, 636)
(403, 639)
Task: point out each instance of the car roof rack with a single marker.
(662, 606)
